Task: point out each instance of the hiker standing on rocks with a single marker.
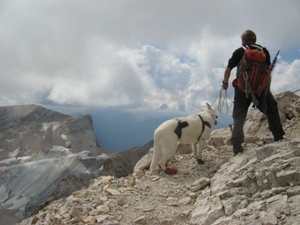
(266, 102)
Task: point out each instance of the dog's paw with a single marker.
(200, 161)
(171, 171)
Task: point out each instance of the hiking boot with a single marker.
(279, 136)
(237, 148)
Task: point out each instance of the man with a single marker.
(242, 103)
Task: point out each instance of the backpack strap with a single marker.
(249, 91)
(255, 46)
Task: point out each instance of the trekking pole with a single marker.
(264, 82)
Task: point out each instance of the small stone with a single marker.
(90, 219)
(75, 212)
(113, 191)
(101, 218)
(130, 181)
(185, 201)
(103, 209)
(172, 201)
(166, 221)
(141, 220)
(139, 174)
(122, 201)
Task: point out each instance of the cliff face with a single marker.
(34, 128)
(40, 148)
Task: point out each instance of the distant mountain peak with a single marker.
(163, 106)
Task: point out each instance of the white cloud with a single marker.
(285, 76)
(138, 54)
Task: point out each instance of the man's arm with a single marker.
(226, 78)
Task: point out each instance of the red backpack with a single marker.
(252, 71)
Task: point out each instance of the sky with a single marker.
(137, 54)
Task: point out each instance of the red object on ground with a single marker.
(171, 171)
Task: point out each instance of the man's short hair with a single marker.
(249, 36)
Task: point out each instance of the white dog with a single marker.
(194, 129)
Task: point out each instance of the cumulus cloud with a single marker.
(137, 54)
(286, 76)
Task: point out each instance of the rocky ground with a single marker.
(260, 186)
(141, 199)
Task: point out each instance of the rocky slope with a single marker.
(260, 186)
(39, 148)
(46, 155)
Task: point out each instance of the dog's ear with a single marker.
(208, 106)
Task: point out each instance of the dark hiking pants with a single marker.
(240, 109)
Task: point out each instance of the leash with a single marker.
(223, 102)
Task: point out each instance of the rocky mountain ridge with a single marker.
(46, 155)
(259, 186)
(39, 148)
(36, 128)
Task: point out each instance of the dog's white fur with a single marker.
(166, 141)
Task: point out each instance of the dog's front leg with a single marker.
(197, 150)
(200, 148)
(194, 148)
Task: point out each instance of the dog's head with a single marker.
(212, 113)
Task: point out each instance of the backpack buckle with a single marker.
(245, 75)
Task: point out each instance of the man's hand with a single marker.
(224, 85)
